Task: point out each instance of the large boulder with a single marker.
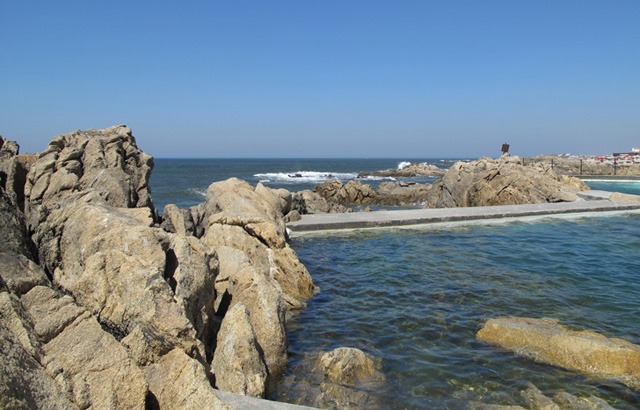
(501, 182)
(177, 381)
(250, 219)
(547, 341)
(237, 363)
(8, 148)
(356, 193)
(240, 282)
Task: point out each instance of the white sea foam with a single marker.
(197, 191)
(304, 176)
(403, 164)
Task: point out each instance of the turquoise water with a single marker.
(626, 187)
(416, 298)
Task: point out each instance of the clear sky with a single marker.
(326, 78)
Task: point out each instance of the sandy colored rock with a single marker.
(547, 341)
(24, 383)
(237, 364)
(348, 366)
(261, 296)
(87, 361)
(407, 171)
(106, 161)
(620, 197)
(179, 382)
(252, 221)
(504, 181)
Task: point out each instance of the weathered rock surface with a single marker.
(8, 148)
(501, 182)
(103, 308)
(237, 363)
(579, 166)
(177, 381)
(407, 171)
(309, 202)
(356, 193)
(97, 370)
(107, 162)
(241, 217)
(547, 341)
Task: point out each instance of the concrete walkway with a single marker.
(380, 219)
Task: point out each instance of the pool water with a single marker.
(415, 299)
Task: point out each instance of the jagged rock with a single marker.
(401, 193)
(547, 341)
(353, 192)
(13, 228)
(20, 274)
(577, 166)
(309, 202)
(13, 176)
(406, 171)
(261, 295)
(237, 364)
(88, 362)
(179, 382)
(24, 383)
(8, 148)
(251, 220)
(387, 193)
(106, 161)
(501, 182)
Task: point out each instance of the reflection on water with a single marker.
(416, 298)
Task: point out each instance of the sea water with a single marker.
(415, 298)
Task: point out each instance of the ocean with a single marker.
(415, 298)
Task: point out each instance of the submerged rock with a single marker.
(348, 366)
(547, 341)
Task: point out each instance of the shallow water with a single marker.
(416, 298)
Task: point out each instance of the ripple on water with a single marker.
(416, 298)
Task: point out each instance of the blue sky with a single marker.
(326, 78)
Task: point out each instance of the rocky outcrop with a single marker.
(309, 202)
(501, 182)
(568, 165)
(105, 162)
(112, 309)
(407, 170)
(8, 148)
(547, 341)
(387, 194)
